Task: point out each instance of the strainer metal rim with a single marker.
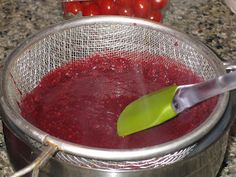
(112, 154)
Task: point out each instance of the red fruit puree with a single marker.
(81, 101)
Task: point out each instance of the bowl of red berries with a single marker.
(148, 9)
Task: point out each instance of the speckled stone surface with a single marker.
(208, 20)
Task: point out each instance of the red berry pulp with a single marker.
(81, 101)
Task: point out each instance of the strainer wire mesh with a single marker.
(78, 42)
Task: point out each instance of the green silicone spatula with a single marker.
(160, 106)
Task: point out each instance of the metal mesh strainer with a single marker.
(80, 38)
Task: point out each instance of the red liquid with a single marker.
(81, 101)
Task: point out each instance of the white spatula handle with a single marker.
(189, 95)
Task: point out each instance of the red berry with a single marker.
(159, 4)
(141, 8)
(91, 10)
(72, 7)
(124, 3)
(108, 7)
(155, 16)
(86, 3)
(125, 11)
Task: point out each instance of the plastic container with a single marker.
(148, 9)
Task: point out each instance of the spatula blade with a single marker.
(148, 111)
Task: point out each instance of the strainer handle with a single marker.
(37, 163)
(230, 65)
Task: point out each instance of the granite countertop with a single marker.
(208, 20)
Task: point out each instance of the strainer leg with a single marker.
(37, 163)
